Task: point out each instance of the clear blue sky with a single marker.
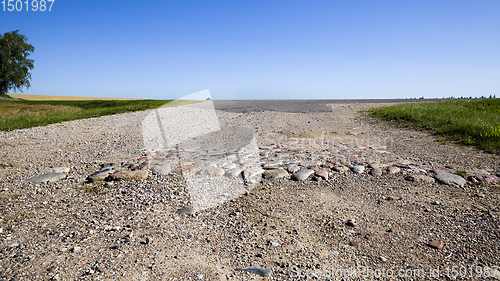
(263, 49)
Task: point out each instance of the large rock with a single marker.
(129, 175)
(450, 179)
(302, 174)
(276, 174)
(49, 177)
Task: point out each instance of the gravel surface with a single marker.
(389, 216)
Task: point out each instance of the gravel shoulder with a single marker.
(133, 230)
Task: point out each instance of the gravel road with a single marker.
(369, 200)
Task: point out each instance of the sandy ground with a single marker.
(130, 230)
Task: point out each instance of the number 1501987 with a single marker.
(28, 5)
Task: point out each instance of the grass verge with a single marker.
(468, 122)
(27, 114)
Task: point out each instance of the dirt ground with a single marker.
(131, 230)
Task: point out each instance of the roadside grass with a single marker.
(468, 122)
(26, 114)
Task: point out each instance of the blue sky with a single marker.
(263, 49)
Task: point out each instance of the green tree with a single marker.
(14, 62)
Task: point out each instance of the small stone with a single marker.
(376, 172)
(383, 259)
(354, 243)
(351, 222)
(322, 174)
(251, 172)
(435, 203)
(229, 166)
(335, 253)
(261, 271)
(341, 169)
(377, 166)
(212, 171)
(234, 173)
(76, 249)
(161, 169)
(114, 247)
(481, 195)
(49, 177)
(99, 175)
(316, 178)
(189, 169)
(302, 174)
(393, 170)
(185, 210)
(199, 276)
(436, 245)
(275, 174)
(146, 241)
(129, 175)
(420, 178)
(489, 179)
(450, 179)
(275, 244)
(293, 169)
(358, 169)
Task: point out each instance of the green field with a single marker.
(26, 114)
(467, 122)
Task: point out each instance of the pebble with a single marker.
(358, 169)
(129, 175)
(450, 179)
(161, 169)
(376, 172)
(293, 169)
(212, 171)
(251, 172)
(341, 169)
(185, 210)
(436, 245)
(322, 174)
(234, 173)
(229, 166)
(76, 249)
(420, 178)
(49, 177)
(489, 179)
(302, 174)
(264, 272)
(276, 174)
(351, 222)
(100, 175)
(393, 170)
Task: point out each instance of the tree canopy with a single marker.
(14, 62)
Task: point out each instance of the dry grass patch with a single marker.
(59, 98)
(10, 110)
